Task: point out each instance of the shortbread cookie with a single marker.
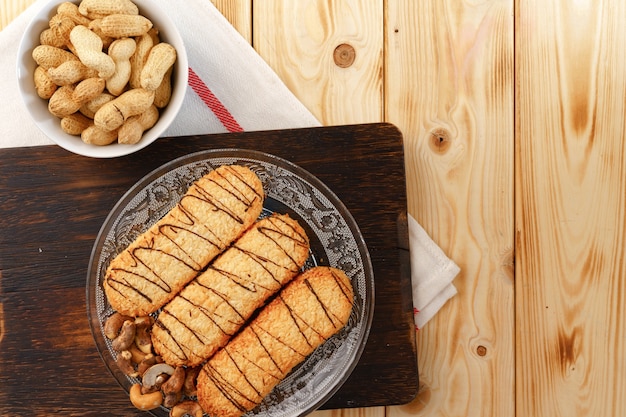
(312, 308)
(214, 212)
(213, 307)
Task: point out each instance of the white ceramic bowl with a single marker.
(50, 124)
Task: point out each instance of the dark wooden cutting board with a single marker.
(53, 203)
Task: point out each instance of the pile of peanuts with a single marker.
(103, 70)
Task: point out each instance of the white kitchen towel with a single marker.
(432, 273)
(230, 89)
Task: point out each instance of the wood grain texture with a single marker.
(449, 88)
(570, 197)
(239, 14)
(442, 71)
(10, 9)
(298, 40)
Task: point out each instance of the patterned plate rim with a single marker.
(292, 397)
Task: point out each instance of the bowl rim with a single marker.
(50, 125)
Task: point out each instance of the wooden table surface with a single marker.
(512, 113)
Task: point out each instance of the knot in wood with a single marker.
(344, 55)
(439, 140)
(481, 350)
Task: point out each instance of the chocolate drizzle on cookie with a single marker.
(215, 305)
(214, 212)
(311, 309)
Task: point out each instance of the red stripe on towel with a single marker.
(415, 311)
(213, 103)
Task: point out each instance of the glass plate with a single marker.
(335, 241)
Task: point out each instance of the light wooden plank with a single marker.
(239, 14)
(449, 88)
(571, 200)
(298, 40)
(10, 9)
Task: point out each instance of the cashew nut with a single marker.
(175, 383)
(160, 380)
(150, 376)
(124, 363)
(142, 324)
(191, 376)
(138, 355)
(113, 324)
(126, 336)
(146, 363)
(145, 401)
(188, 407)
(170, 400)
